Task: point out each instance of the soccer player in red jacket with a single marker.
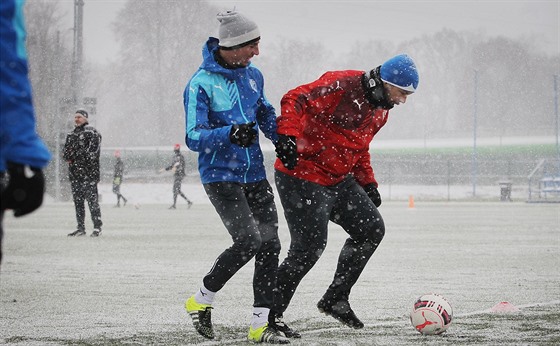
(323, 173)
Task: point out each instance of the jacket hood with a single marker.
(209, 62)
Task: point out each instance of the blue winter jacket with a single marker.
(215, 99)
(19, 142)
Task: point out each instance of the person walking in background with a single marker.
(81, 150)
(323, 173)
(117, 179)
(225, 106)
(23, 155)
(177, 166)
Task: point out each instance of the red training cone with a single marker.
(504, 307)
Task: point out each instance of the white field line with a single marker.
(388, 323)
(473, 313)
(487, 311)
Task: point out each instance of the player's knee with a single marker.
(248, 246)
(271, 246)
(375, 230)
(306, 257)
(378, 234)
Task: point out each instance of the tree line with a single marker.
(139, 97)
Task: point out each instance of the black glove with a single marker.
(243, 134)
(373, 194)
(25, 189)
(286, 151)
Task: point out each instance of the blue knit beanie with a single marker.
(401, 72)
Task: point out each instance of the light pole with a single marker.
(474, 154)
(556, 115)
(77, 55)
(70, 103)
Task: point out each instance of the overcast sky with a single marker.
(340, 23)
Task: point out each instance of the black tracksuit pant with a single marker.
(308, 208)
(249, 213)
(86, 190)
(177, 182)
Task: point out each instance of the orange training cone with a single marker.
(411, 202)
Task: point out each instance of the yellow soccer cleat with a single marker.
(201, 317)
(266, 335)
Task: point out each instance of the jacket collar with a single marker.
(210, 59)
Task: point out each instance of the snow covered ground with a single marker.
(128, 286)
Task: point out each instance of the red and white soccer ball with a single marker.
(431, 314)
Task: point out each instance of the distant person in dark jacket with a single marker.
(117, 179)
(81, 151)
(178, 168)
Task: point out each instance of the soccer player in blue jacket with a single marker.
(23, 155)
(225, 107)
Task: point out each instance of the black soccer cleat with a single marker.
(77, 233)
(341, 311)
(96, 233)
(277, 323)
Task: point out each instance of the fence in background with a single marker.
(446, 171)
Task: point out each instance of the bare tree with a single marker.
(161, 48)
(515, 92)
(290, 63)
(161, 44)
(49, 64)
(49, 70)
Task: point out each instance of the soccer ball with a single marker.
(431, 314)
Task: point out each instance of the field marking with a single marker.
(489, 310)
(381, 324)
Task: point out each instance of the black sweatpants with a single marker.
(85, 190)
(249, 213)
(308, 208)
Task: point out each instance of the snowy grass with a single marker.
(128, 286)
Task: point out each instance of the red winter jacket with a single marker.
(334, 124)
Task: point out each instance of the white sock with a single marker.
(204, 296)
(260, 317)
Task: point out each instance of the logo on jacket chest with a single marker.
(253, 85)
(352, 115)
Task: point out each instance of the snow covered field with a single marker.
(128, 286)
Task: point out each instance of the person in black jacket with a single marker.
(178, 167)
(117, 179)
(81, 151)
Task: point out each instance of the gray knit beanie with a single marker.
(236, 30)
